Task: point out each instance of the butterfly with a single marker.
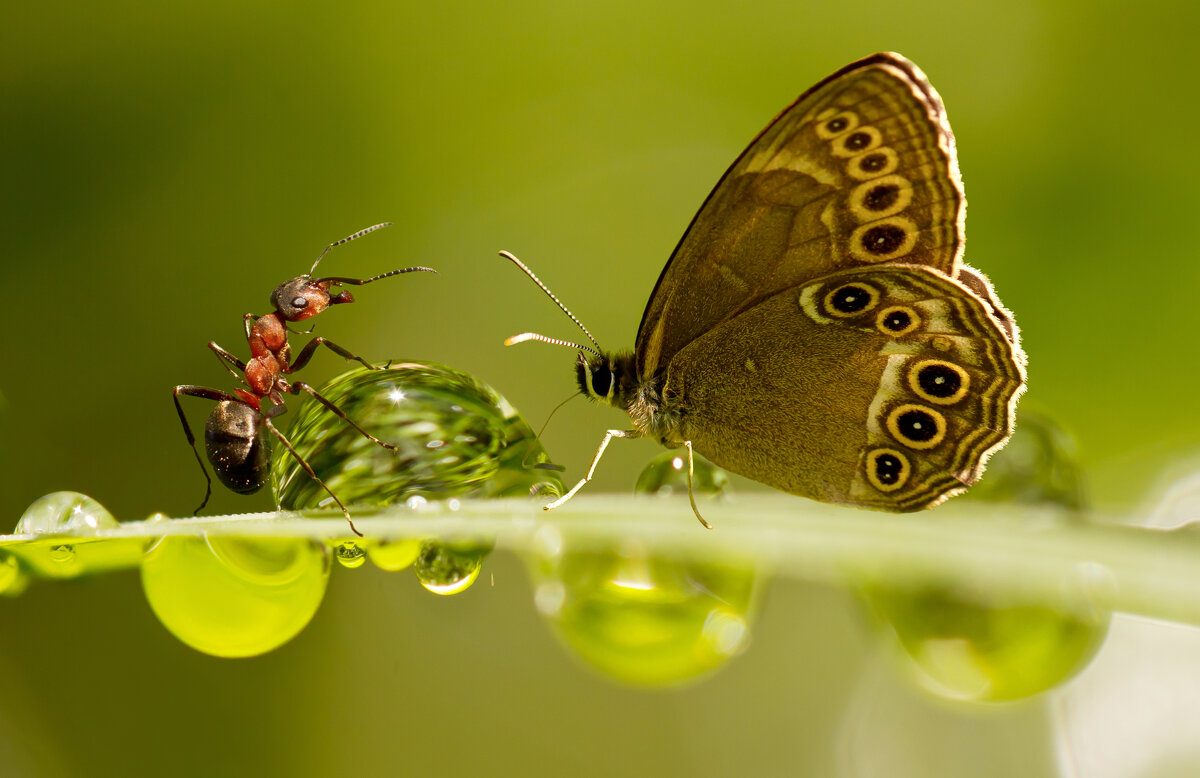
(816, 329)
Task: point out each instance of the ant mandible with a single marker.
(234, 435)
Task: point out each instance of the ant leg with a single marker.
(248, 320)
(228, 359)
(309, 349)
(205, 394)
(300, 386)
(272, 413)
(595, 461)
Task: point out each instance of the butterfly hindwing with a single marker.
(860, 171)
(930, 373)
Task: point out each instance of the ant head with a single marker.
(304, 297)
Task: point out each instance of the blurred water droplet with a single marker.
(63, 553)
(393, 555)
(64, 513)
(666, 474)
(964, 649)
(350, 554)
(641, 619)
(446, 569)
(235, 597)
(13, 580)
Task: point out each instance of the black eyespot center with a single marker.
(917, 425)
(883, 239)
(836, 124)
(881, 197)
(888, 468)
(872, 163)
(857, 141)
(852, 298)
(939, 380)
(897, 320)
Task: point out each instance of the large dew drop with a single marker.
(235, 597)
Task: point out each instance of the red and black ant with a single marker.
(234, 436)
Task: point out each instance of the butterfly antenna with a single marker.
(513, 340)
(347, 239)
(557, 302)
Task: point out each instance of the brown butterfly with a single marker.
(815, 328)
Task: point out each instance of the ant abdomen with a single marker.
(236, 447)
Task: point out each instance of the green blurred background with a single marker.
(164, 167)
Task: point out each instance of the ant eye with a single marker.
(300, 303)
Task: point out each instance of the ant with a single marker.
(235, 433)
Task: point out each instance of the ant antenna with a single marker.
(524, 336)
(360, 281)
(544, 288)
(347, 239)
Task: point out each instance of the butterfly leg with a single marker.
(691, 492)
(595, 461)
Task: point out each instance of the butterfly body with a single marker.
(815, 328)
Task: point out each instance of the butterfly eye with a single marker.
(939, 382)
(602, 382)
(851, 299)
(917, 427)
(887, 469)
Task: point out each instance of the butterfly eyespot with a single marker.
(881, 197)
(838, 124)
(853, 143)
(883, 240)
(897, 320)
(878, 162)
(939, 382)
(887, 469)
(916, 426)
(851, 299)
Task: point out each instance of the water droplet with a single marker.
(63, 553)
(350, 554)
(984, 652)
(666, 474)
(449, 569)
(235, 597)
(393, 555)
(12, 580)
(642, 619)
(64, 513)
(456, 438)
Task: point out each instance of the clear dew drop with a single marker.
(456, 438)
(350, 554)
(64, 513)
(446, 569)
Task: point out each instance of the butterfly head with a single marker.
(607, 378)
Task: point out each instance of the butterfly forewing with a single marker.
(859, 171)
